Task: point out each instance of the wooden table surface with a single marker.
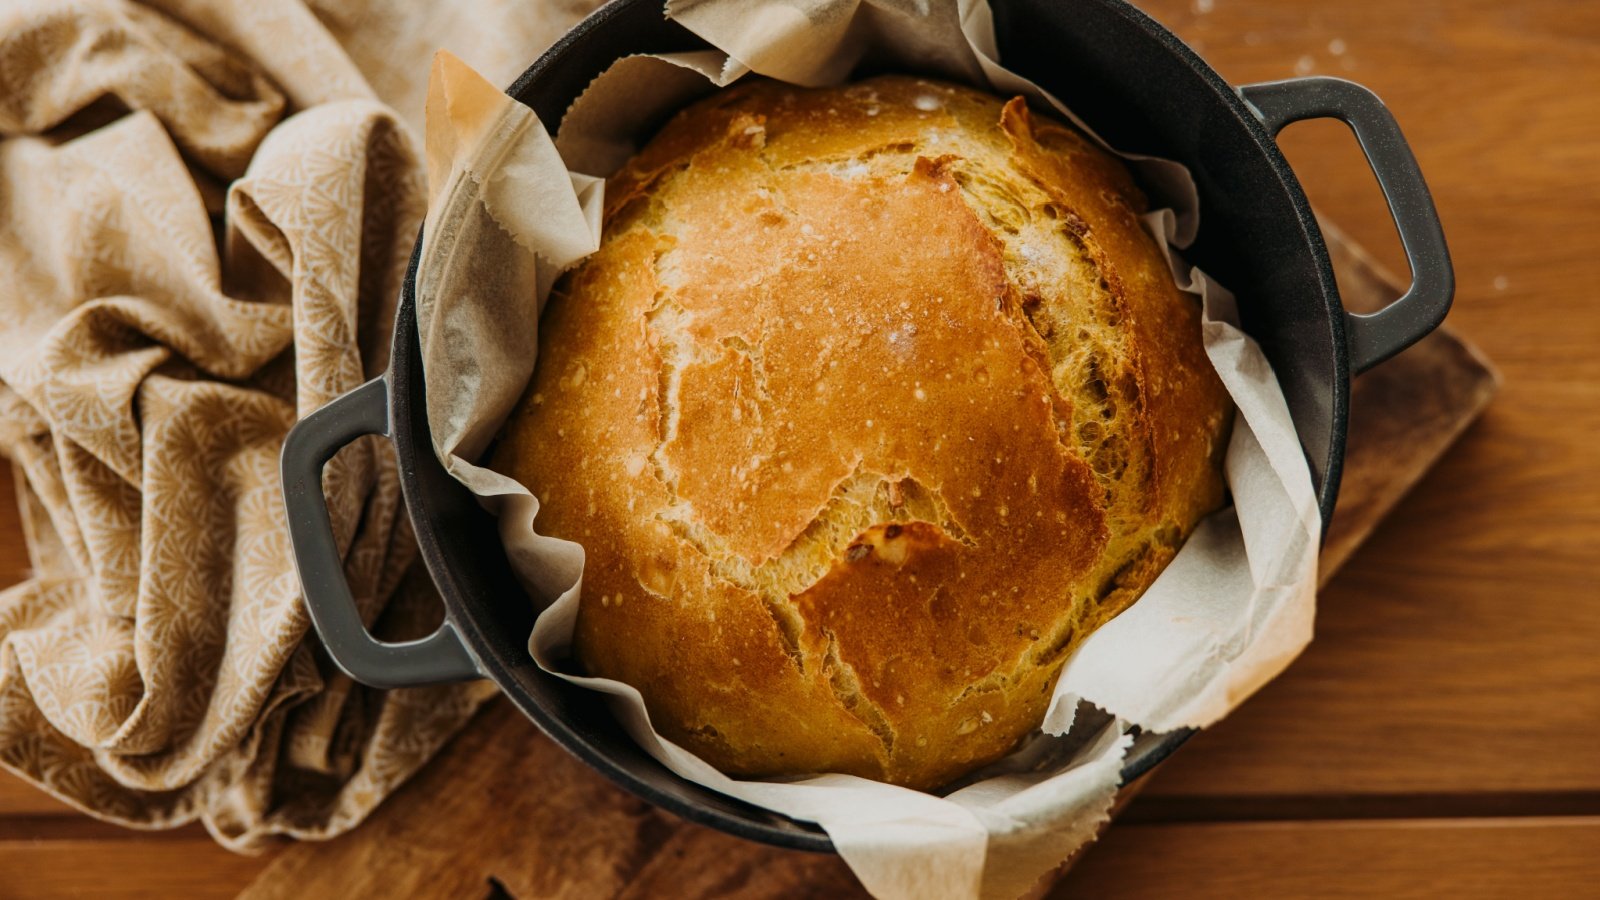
(1442, 734)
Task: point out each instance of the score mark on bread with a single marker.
(872, 403)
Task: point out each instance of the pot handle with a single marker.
(1374, 337)
(436, 658)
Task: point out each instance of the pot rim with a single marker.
(404, 383)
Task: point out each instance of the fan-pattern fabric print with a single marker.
(206, 209)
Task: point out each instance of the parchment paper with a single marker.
(1231, 610)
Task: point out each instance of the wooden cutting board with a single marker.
(505, 812)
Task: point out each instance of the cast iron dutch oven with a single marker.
(1137, 85)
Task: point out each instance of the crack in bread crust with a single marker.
(1032, 225)
(857, 503)
(846, 686)
(1045, 236)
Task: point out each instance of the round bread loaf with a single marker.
(873, 402)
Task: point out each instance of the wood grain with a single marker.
(1455, 652)
(18, 798)
(189, 866)
(505, 803)
(1463, 858)
(13, 552)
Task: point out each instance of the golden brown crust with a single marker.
(872, 403)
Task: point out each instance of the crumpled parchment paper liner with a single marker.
(1231, 610)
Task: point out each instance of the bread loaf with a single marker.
(873, 402)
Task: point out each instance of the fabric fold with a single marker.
(205, 215)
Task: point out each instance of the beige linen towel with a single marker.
(206, 207)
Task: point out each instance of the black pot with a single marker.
(1132, 81)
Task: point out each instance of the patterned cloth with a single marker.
(206, 207)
